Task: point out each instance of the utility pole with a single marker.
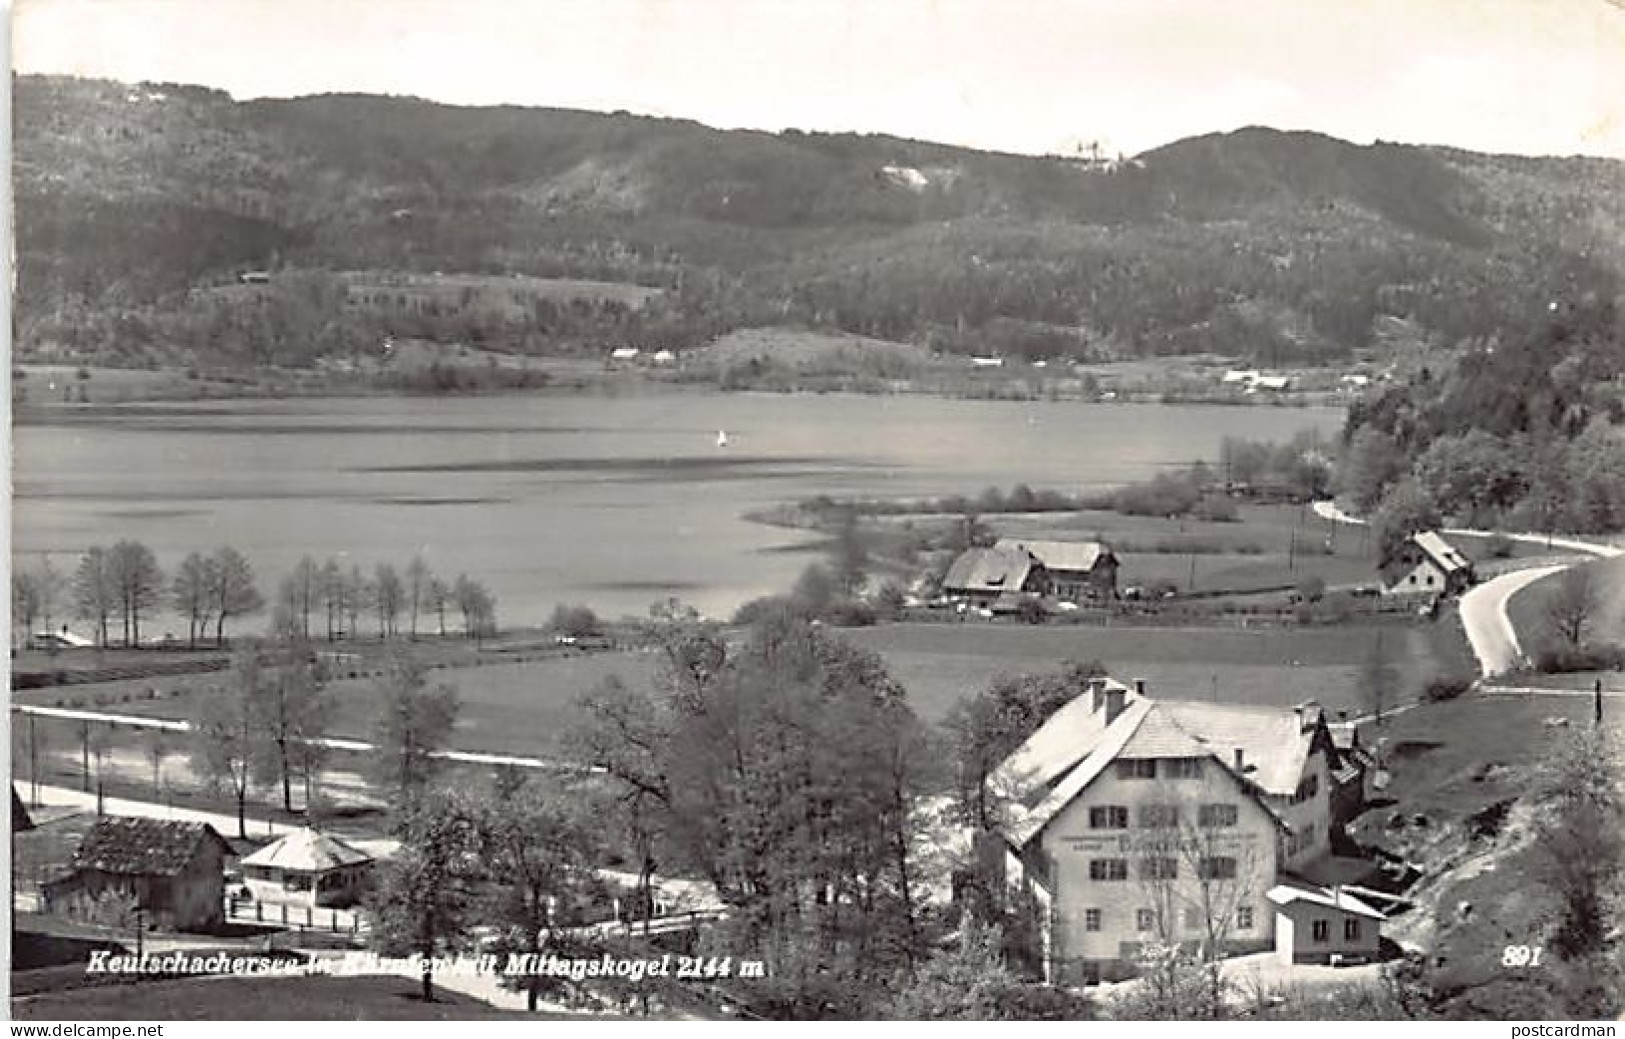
(1596, 704)
(33, 759)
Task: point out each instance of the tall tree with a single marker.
(387, 595)
(137, 584)
(477, 605)
(292, 710)
(233, 593)
(190, 594)
(412, 722)
(25, 604)
(439, 599)
(538, 851)
(94, 594)
(300, 593)
(227, 728)
(1407, 508)
(424, 899)
(419, 583)
(332, 597)
(1379, 679)
(357, 594)
(1572, 604)
(1371, 462)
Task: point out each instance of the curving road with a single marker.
(1484, 607)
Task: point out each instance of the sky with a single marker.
(1537, 77)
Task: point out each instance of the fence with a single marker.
(295, 917)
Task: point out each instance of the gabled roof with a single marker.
(1057, 746)
(1075, 745)
(1274, 741)
(1286, 892)
(1441, 551)
(307, 851)
(988, 570)
(19, 815)
(143, 847)
(1059, 555)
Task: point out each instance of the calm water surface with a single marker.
(611, 501)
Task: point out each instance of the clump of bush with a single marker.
(1447, 686)
(1498, 547)
(1165, 495)
(1559, 658)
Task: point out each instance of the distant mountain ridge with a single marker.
(1282, 246)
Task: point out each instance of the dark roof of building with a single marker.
(988, 570)
(144, 847)
(1071, 556)
(19, 814)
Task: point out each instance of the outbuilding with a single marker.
(308, 867)
(1324, 925)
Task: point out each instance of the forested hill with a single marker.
(135, 202)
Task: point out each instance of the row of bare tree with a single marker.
(326, 594)
(114, 589)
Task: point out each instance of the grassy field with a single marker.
(254, 999)
(1265, 546)
(1527, 606)
(1461, 766)
(941, 663)
(508, 708)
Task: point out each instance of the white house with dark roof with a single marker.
(308, 867)
(1130, 820)
(1426, 564)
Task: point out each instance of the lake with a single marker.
(612, 501)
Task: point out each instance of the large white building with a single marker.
(1129, 820)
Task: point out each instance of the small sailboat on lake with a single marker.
(722, 438)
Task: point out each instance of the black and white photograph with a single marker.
(657, 511)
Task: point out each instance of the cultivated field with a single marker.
(941, 663)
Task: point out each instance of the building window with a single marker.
(1159, 869)
(1351, 930)
(1185, 768)
(1091, 919)
(1308, 787)
(1244, 918)
(1218, 815)
(1218, 867)
(1193, 919)
(1108, 869)
(1155, 816)
(1322, 930)
(1137, 768)
(1145, 919)
(1108, 817)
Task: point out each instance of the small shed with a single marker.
(1323, 925)
(174, 870)
(308, 867)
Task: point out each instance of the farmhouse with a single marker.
(1073, 570)
(1426, 564)
(308, 867)
(981, 575)
(174, 870)
(1130, 820)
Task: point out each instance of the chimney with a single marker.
(1097, 693)
(1139, 688)
(1308, 715)
(1241, 760)
(1114, 704)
